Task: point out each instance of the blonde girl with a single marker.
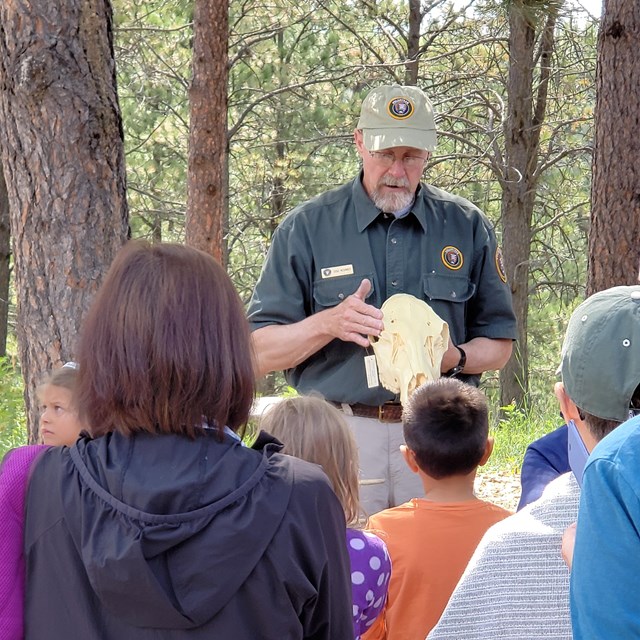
(59, 423)
(314, 430)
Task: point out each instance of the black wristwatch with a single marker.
(460, 366)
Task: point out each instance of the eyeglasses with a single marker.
(409, 162)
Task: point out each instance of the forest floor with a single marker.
(501, 488)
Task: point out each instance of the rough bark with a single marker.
(207, 207)
(5, 256)
(413, 42)
(526, 113)
(63, 158)
(614, 238)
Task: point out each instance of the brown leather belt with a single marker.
(388, 412)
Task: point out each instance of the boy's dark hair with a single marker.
(446, 425)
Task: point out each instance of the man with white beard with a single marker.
(335, 259)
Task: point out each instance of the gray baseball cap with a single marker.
(601, 353)
(397, 116)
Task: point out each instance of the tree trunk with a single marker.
(526, 113)
(5, 256)
(206, 183)
(64, 166)
(413, 42)
(614, 238)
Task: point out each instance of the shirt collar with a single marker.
(419, 210)
(232, 434)
(367, 212)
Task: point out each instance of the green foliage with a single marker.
(297, 75)
(153, 54)
(13, 430)
(513, 429)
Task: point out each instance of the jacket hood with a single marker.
(170, 528)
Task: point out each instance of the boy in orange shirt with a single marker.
(431, 539)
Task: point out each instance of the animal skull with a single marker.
(410, 349)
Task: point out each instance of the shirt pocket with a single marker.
(330, 292)
(448, 288)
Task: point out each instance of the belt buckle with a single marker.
(381, 416)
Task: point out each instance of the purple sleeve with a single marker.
(370, 573)
(14, 473)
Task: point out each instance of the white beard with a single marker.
(394, 201)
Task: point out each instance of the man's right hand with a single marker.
(353, 319)
(282, 346)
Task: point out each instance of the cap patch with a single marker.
(500, 266)
(452, 258)
(400, 108)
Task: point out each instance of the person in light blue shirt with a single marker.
(606, 560)
(605, 596)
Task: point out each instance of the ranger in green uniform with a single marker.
(335, 259)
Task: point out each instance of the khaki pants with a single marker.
(385, 479)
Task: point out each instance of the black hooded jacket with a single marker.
(160, 536)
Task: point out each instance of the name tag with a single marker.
(371, 368)
(334, 272)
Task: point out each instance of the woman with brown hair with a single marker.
(163, 525)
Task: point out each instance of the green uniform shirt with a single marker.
(443, 252)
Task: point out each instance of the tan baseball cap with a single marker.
(397, 116)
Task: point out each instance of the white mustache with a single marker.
(389, 181)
